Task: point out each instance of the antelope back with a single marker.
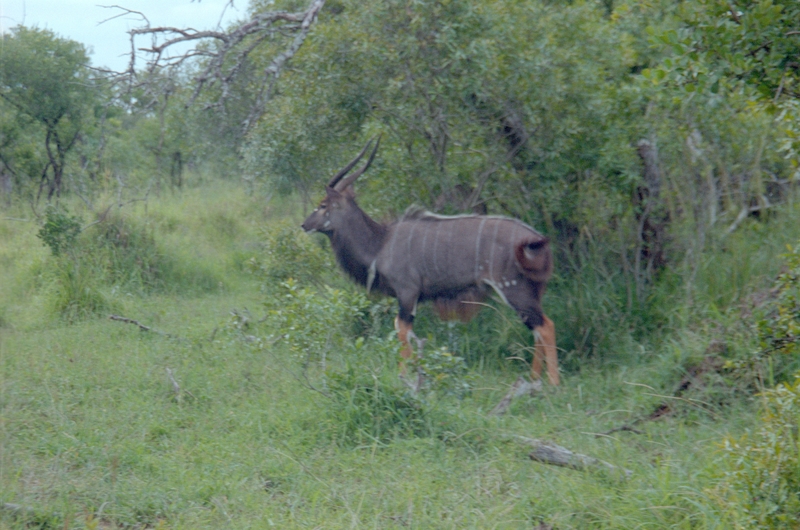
(452, 253)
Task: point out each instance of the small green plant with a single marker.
(367, 406)
(762, 488)
(779, 330)
(444, 373)
(59, 230)
(76, 292)
(288, 253)
(313, 322)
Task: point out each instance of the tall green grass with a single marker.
(134, 250)
(216, 420)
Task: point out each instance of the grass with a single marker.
(91, 421)
(94, 435)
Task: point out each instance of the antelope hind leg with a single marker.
(545, 349)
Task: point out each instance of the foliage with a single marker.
(45, 79)
(314, 323)
(762, 487)
(443, 372)
(368, 407)
(59, 230)
(725, 46)
(76, 292)
(290, 254)
(779, 331)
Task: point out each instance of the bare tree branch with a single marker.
(223, 53)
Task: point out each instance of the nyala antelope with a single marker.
(453, 261)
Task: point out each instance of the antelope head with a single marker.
(332, 213)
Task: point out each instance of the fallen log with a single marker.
(553, 454)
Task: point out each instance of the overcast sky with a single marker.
(80, 20)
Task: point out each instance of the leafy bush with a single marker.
(762, 488)
(76, 292)
(366, 406)
(59, 230)
(779, 330)
(443, 372)
(127, 254)
(313, 322)
(288, 253)
(115, 253)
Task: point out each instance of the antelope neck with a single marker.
(358, 244)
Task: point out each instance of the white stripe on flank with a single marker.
(435, 250)
(478, 246)
(494, 245)
(410, 236)
(424, 258)
(391, 244)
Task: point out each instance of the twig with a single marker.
(141, 326)
(227, 52)
(743, 215)
(626, 427)
(17, 508)
(520, 387)
(175, 386)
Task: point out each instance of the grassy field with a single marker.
(210, 421)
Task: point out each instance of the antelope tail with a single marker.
(535, 259)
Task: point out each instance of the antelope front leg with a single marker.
(545, 349)
(403, 329)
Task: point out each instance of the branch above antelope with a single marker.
(453, 261)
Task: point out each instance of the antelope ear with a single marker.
(333, 193)
(349, 192)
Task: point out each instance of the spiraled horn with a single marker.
(351, 178)
(336, 178)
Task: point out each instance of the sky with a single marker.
(108, 42)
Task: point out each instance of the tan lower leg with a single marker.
(403, 329)
(546, 349)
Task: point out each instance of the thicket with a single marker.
(635, 135)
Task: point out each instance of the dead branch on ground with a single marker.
(141, 326)
(520, 388)
(693, 379)
(553, 454)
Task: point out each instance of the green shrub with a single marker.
(127, 254)
(779, 330)
(443, 372)
(762, 488)
(59, 230)
(367, 406)
(314, 322)
(288, 253)
(76, 292)
(115, 254)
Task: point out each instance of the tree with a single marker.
(45, 79)
(225, 55)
